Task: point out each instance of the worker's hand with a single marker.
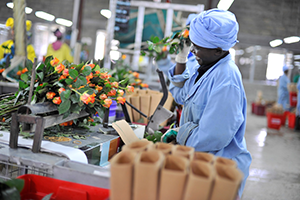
(170, 135)
(181, 57)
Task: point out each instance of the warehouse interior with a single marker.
(275, 168)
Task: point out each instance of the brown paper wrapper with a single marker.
(225, 161)
(121, 169)
(173, 178)
(146, 175)
(135, 101)
(129, 109)
(138, 146)
(205, 157)
(227, 182)
(165, 148)
(200, 181)
(184, 151)
(145, 106)
(155, 99)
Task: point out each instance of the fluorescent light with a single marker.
(44, 15)
(292, 39)
(11, 5)
(64, 22)
(224, 4)
(106, 13)
(275, 43)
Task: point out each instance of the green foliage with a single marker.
(155, 137)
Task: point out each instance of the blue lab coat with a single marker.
(283, 93)
(213, 119)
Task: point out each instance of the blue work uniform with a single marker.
(283, 93)
(298, 97)
(213, 119)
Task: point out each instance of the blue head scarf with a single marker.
(284, 68)
(190, 18)
(214, 28)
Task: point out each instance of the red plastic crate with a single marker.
(37, 187)
(274, 120)
(291, 120)
(258, 109)
(293, 99)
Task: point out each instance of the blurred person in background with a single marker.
(59, 49)
(7, 48)
(282, 90)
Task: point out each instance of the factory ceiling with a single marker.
(260, 20)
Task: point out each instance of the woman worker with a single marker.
(9, 44)
(282, 91)
(59, 49)
(212, 94)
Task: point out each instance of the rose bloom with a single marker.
(130, 88)
(99, 88)
(103, 96)
(115, 84)
(19, 73)
(121, 100)
(60, 90)
(120, 92)
(107, 103)
(50, 95)
(24, 70)
(2, 70)
(112, 93)
(86, 98)
(62, 77)
(56, 100)
(123, 57)
(90, 76)
(92, 85)
(165, 48)
(55, 61)
(66, 72)
(91, 65)
(185, 33)
(135, 74)
(59, 68)
(145, 85)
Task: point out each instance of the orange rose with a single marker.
(165, 48)
(55, 61)
(59, 68)
(62, 77)
(98, 88)
(123, 57)
(130, 88)
(185, 33)
(3, 119)
(2, 70)
(120, 93)
(103, 96)
(121, 100)
(56, 100)
(135, 74)
(66, 72)
(145, 85)
(60, 90)
(115, 84)
(50, 95)
(112, 93)
(19, 73)
(24, 70)
(107, 103)
(91, 65)
(89, 76)
(86, 98)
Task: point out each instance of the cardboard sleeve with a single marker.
(138, 146)
(173, 177)
(129, 109)
(121, 181)
(146, 175)
(227, 182)
(200, 181)
(145, 106)
(135, 101)
(184, 151)
(225, 161)
(165, 148)
(205, 157)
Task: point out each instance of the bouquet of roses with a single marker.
(169, 45)
(73, 88)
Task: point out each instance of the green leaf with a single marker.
(22, 85)
(157, 49)
(75, 108)
(24, 77)
(81, 80)
(17, 183)
(65, 95)
(87, 71)
(143, 53)
(59, 84)
(64, 107)
(75, 98)
(10, 193)
(69, 81)
(40, 75)
(48, 59)
(73, 73)
(155, 39)
(40, 67)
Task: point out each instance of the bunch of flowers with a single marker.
(159, 49)
(73, 88)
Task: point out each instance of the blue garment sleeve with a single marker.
(222, 117)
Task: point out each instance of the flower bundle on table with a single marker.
(74, 88)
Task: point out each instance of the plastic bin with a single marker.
(291, 120)
(274, 120)
(37, 187)
(284, 116)
(258, 109)
(293, 99)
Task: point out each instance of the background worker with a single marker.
(7, 47)
(282, 90)
(59, 49)
(212, 94)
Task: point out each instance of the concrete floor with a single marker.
(275, 168)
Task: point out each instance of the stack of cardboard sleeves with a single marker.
(147, 171)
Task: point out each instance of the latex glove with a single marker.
(170, 135)
(181, 57)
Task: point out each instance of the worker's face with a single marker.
(205, 56)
